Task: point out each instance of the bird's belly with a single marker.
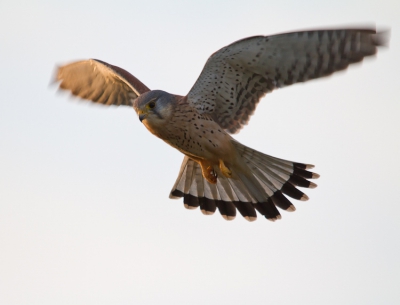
(211, 145)
(198, 138)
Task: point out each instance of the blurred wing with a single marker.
(100, 82)
(237, 76)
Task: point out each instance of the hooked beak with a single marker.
(142, 115)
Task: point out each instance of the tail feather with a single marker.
(268, 210)
(225, 188)
(273, 182)
(247, 210)
(267, 185)
(282, 202)
(301, 182)
(263, 187)
(291, 191)
(207, 206)
(180, 181)
(239, 189)
(227, 210)
(191, 202)
(198, 182)
(270, 184)
(211, 190)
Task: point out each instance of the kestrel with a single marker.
(218, 171)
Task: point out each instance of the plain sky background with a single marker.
(85, 216)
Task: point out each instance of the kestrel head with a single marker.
(154, 108)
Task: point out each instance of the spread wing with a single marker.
(100, 82)
(236, 77)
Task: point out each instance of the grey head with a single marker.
(154, 106)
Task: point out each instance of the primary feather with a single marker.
(237, 76)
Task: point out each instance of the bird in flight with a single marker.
(217, 171)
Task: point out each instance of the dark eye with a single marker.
(152, 104)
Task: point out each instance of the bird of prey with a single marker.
(217, 171)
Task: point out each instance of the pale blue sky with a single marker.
(85, 216)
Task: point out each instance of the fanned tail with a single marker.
(259, 188)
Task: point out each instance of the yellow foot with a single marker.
(210, 175)
(225, 171)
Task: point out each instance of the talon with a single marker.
(208, 171)
(211, 175)
(225, 171)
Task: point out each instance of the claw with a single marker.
(207, 169)
(211, 175)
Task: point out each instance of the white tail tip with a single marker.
(207, 212)
(304, 197)
(189, 207)
(312, 185)
(250, 218)
(275, 218)
(226, 217)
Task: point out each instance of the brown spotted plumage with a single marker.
(217, 171)
(237, 76)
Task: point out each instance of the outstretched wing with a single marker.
(237, 76)
(100, 82)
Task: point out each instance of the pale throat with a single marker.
(154, 128)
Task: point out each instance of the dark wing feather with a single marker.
(100, 82)
(237, 76)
